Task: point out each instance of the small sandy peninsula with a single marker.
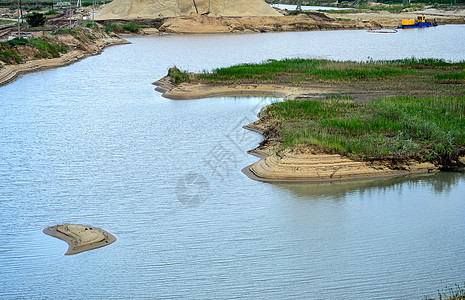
(80, 238)
(290, 152)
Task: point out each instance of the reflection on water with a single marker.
(441, 183)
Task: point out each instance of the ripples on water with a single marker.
(93, 143)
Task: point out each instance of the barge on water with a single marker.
(420, 22)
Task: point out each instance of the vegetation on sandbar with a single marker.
(43, 47)
(418, 112)
(329, 71)
(405, 77)
(398, 129)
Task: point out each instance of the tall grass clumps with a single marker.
(48, 48)
(456, 292)
(399, 128)
(8, 55)
(178, 76)
(302, 70)
(119, 27)
(43, 47)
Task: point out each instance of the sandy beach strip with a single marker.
(80, 238)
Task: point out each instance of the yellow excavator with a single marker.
(420, 22)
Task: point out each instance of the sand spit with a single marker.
(151, 9)
(8, 73)
(80, 238)
(188, 90)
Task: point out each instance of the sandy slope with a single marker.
(149, 9)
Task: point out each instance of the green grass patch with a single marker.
(119, 27)
(178, 76)
(458, 77)
(8, 55)
(397, 128)
(305, 70)
(50, 12)
(47, 47)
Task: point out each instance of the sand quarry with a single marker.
(150, 9)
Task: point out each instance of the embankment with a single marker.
(77, 49)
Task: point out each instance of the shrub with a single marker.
(35, 19)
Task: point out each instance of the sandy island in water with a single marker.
(80, 238)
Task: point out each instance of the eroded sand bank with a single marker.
(80, 238)
(9, 73)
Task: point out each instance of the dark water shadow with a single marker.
(441, 182)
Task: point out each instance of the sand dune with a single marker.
(150, 9)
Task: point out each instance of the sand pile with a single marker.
(150, 9)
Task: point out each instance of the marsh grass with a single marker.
(178, 76)
(327, 71)
(395, 128)
(120, 27)
(305, 69)
(458, 77)
(452, 293)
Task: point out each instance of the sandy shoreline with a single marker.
(319, 167)
(190, 91)
(9, 73)
(80, 238)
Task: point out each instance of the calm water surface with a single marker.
(93, 143)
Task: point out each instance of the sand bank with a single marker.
(188, 90)
(80, 238)
(9, 73)
(307, 165)
(324, 167)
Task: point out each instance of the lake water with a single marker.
(93, 143)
